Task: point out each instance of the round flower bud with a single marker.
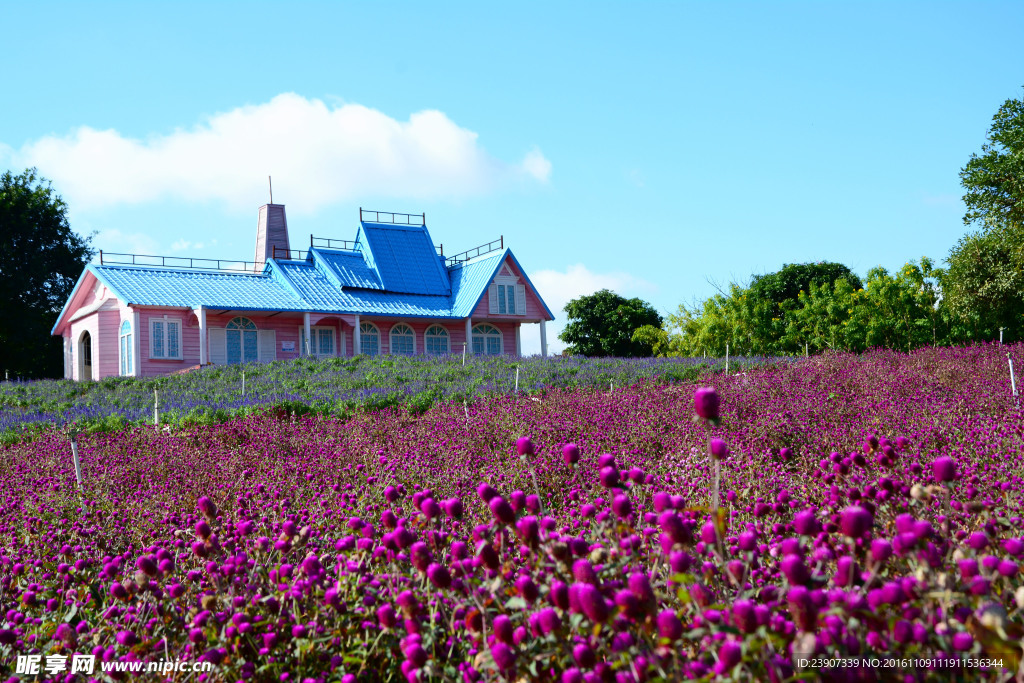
(706, 403)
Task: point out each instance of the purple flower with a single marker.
(430, 508)
(622, 506)
(126, 638)
(570, 453)
(962, 641)
(729, 655)
(501, 510)
(856, 521)
(669, 625)
(944, 469)
(806, 523)
(207, 507)
(503, 628)
(528, 529)
(794, 569)
(609, 477)
(453, 508)
(583, 654)
(743, 616)
(524, 446)
(486, 492)
(439, 576)
(706, 403)
(504, 656)
(591, 602)
(719, 451)
(881, 550)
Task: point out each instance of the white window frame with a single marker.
(446, 336)
(391, 338)
(366, 328)
(166, 319)
(126, 349)
(505, 290)
(314, 333)
(241, 340)
(478, 333)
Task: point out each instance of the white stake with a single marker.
(727, 358)
(74, 457)
(243, 383)
(1013, 380)
(517, 379)
(463, 353)
(466, 407)
(1000, 335)
(156, 409)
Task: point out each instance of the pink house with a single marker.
(390, 290)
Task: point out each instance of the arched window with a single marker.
(403, 340)
(126, 348)
(369, 339)
(436, 340)
(486, 340)
(242, 341)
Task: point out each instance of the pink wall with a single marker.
(456, 333)
(534, 311)
(109, 347)
(104, 326)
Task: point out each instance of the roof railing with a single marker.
(326, 243)
(392, 217)
(462, 257)
(290, 254)
(116, 259)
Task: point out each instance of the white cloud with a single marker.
(317, 153)
(536, 165)
(183, 245)
(558, 288)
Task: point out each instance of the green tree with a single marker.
(771, 297)
(603, 323)
(984, 287)
(40, 261)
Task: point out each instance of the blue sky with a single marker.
(646, 147)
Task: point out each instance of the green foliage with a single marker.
(603, 323)
(984, 287)
(898, 311)
(994, 181)
(40, 261)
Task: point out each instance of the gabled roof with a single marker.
(328, 281)
(404, 259)
(346, 268)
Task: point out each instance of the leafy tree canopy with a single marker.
(40, 261)
(603, 323)
(994, 180)
(984, 286)
(787, 283)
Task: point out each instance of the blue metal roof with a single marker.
(346, 268)
(301, 286)
(470, 280)
(404, 259)
(170, 287)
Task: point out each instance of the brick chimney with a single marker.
(271, 231)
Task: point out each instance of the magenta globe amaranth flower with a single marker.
(524, 446)
(719, 451)
(729, 655)
(501, 510)
(706, 403)
(503, 655)
(944, 469)
(207, 507)
(856, 521)
(609, 477)
(669, 625)
(570, 454)
(806, 523)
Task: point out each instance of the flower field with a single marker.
(870, 507)
(334, 387)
